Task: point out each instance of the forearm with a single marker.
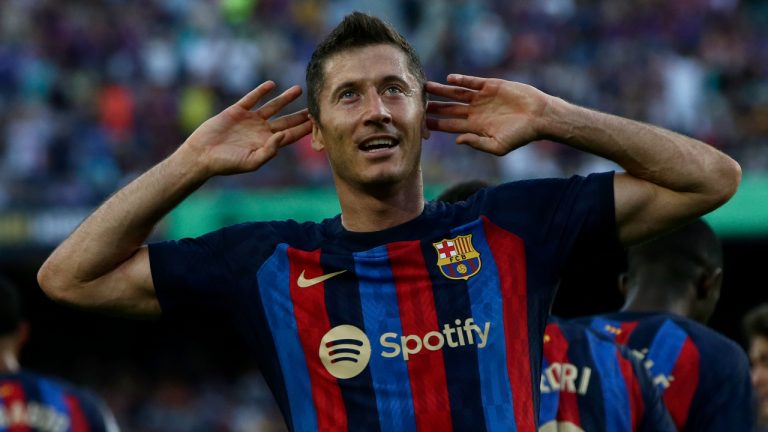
(113, 233)
(104, 262)
(671, 179)
(659, 156)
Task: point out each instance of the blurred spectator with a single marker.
(91, 92)
(756, 329)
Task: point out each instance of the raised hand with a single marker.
(240, 139)
(491, 115)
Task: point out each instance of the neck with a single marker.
(368, 209)
(9, 361)
(646, 300)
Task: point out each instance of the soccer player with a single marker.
(397, 314)
(671, 289)
(33, 402)
(756, 329)
(590, 383)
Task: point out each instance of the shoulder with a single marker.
(712, 342)
(604, 179)
(248, 235)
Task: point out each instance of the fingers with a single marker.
(295, 133)
(254, 96)
(459, 94)
(476, 141)
(264, 153)
(259, 156)
(482, 143)
(471, 82)
(273, 106)
(448, 109)
(289, 120)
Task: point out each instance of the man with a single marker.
(33, 402)
(672, 282)
(588, 382)
(756, 330)
(396, 314)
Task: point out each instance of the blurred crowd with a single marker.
(210, 404)
(92, 93)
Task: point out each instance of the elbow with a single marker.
(53, 283)
(728, 181)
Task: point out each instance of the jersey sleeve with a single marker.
(563, 217)
(724, 397)
(205, 273)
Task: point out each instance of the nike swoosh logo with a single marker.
(303, 282)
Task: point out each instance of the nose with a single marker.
(376, 111)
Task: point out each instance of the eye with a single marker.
(347, 94)
(393, 89)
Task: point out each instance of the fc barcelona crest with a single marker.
(457, 258)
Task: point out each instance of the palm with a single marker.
(492, 115)
(240, 140)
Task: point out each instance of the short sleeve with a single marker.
(207, 272)
(724, 399)
(562, 217)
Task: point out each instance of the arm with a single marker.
(104, 262)
(669, 180)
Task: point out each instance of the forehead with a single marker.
(758, 347)
(368, 63)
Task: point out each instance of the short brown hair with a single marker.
(756, 322)
(355, 31)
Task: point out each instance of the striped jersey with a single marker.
(704, 376)
(30, 402)
(590, 383)
(435, 324)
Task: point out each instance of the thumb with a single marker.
(478, 142)
(273, 143)
(266, 152)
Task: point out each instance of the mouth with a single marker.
(375, 145)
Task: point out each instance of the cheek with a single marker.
(760, 376)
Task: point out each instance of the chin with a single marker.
(384, 180)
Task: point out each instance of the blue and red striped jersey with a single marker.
(31, 402)
(435, 324)
(590, 383)
(704, 376)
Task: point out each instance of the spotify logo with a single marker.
(556, 426)
(345, 351)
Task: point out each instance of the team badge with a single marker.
(457, 258)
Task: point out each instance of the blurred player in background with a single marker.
(671, 289)
(590, 383)
(398, 313)
(33, 402)
(756, 330)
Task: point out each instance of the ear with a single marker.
(318, 144)
(623, 283)
(424, 129)
(709, 286)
